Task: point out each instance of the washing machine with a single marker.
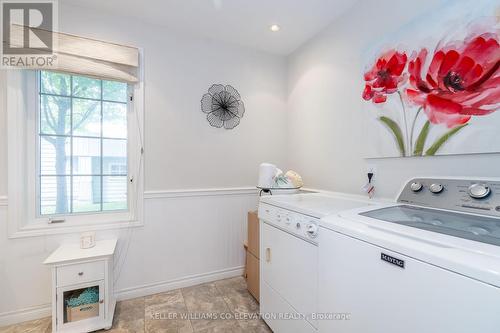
(428, 263)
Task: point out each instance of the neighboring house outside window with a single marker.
(82, 144)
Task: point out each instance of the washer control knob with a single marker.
(416, 186)
(479, 191)
(312, 230)
(436, 188)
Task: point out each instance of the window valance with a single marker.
(85, 56)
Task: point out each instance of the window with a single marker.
(82, 145)
(75, 143)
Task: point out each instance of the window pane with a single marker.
(54, 195)
(114, 193)
(83, 136)
(114, 91)
(114, 122)
(55, 153)
(86, 194)
(86, 87)
(86, 117)
(55, 115)
(55, 83)
(86, 156)
(114, 157)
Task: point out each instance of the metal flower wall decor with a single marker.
(223, 106)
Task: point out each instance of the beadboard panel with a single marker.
(187, 238)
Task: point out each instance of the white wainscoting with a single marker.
(189, 237)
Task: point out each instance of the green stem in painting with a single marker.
(394, 128)
(442, 140)
(406, 142)
(422, 137)
(413, 126)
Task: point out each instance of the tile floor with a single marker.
(221, 306)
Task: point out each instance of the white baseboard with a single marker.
(41, 311)
(188, 281)
(31, 313)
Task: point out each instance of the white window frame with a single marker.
(23, 218)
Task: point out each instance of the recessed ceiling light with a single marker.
(275, 28)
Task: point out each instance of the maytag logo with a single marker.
(391, 260)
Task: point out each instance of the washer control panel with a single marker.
(472, 196)
(297, 224)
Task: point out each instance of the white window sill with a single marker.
(66, 228)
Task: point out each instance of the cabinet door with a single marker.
(81, 307)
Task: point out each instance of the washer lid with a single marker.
(315, 204)
(474, 259)
(477, 228)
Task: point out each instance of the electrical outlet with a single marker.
(371, 168)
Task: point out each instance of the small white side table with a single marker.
(76, 274)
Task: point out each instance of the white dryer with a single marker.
(430, 263)
(289, 260)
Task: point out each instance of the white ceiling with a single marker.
(244, 22)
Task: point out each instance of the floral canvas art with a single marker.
(433, 88)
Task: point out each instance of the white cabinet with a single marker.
(83, 317)
(82, 287)
(81, 272)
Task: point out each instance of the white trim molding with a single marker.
(187, 281)
(201, 192)
(44, 310)
(165, 194)
(59, 229)
(34, 231)
(70, 229)
(19, 316)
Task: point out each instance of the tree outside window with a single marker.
(82, 134)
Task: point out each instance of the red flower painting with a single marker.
(461, 81)
(385, 76)
(451, 85)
